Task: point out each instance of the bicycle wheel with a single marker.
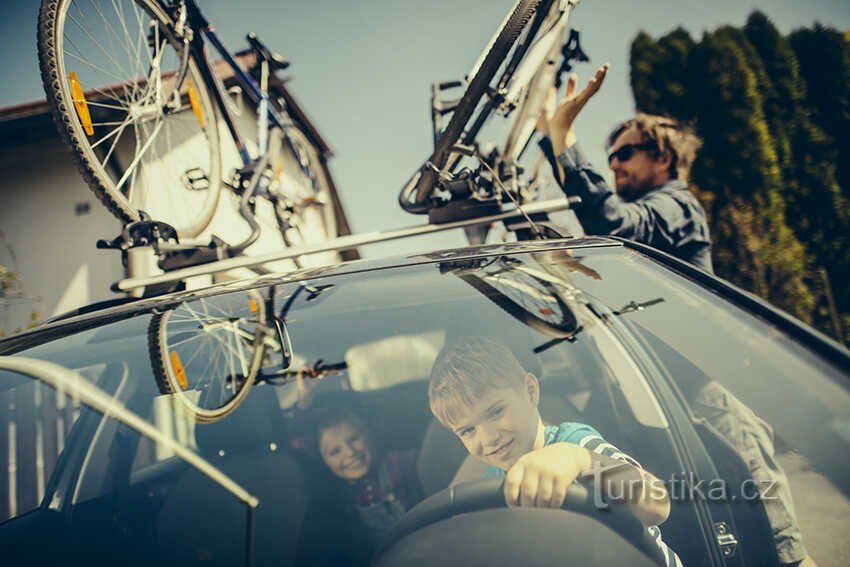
(142, 141)
(302, 191)
(531, 300)
(207, 353)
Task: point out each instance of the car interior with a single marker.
(143, 499)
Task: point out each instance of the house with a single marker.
(50, 220)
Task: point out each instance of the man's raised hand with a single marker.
(559, 124)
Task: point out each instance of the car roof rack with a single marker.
(161, 281)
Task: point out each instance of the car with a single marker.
(180, 428)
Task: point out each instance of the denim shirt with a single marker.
(668, 217)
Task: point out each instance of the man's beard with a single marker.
(630, 191)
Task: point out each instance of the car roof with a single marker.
(74, 321)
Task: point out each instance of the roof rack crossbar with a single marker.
(334, 245)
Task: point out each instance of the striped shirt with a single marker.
(587, 437)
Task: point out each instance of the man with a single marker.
(651, 157)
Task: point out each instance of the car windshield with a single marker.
(314, 396)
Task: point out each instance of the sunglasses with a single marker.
(625, 152)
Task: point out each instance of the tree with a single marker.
(817, 210)
(741, 165)
(824, 59)
(738, 175)
(774, 173)
(659, 72)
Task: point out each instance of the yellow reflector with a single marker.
(80, 104)
(252, 305)
(179, 373)
(196, 105)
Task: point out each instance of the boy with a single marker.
(480, 391)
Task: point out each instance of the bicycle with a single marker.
(208, 353)
(526, 48)
(138, 101)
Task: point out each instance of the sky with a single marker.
(362, 71)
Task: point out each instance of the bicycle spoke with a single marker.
(194, 355)
(97, 88)
(115, 132)
(96, 43)
(108, 26)
(120, 13)
(225, 343)
(194, 313)
(90, 64)
(141, 40)
(112, 146)
(109, 123)
(138, 157)
(107, 106)
(185, 341)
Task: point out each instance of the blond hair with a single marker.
(668, 136)
(466, 370)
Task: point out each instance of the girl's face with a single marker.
(345, 450)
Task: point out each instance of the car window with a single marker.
(36, 422)
(365, 342)
(758, 396)
(599, 329)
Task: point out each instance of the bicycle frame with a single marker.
(530, 74)
(205, 32)
(522, 89)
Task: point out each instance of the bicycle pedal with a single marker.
(195, 179)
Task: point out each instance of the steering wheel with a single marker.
(488, 494)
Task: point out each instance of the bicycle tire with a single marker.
(562, 325)
(187, 205)
(423, 180)
(209, 338)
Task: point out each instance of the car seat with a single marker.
(202, 524)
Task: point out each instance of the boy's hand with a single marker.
(541, 478)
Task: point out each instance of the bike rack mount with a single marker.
(339, 244)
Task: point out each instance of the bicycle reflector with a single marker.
(196, 105)
(179, 373)
(80, 103)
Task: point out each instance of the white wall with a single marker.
(55, 247)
